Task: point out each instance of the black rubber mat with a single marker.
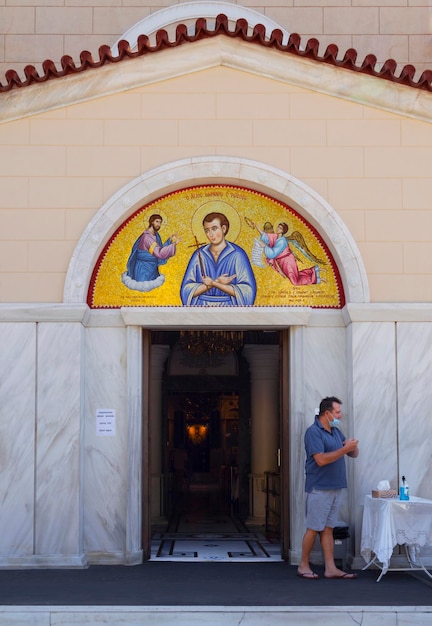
(212, 584)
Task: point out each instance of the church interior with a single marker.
(206, 452)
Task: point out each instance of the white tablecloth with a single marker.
(390, 521)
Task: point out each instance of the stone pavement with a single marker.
(219, 594)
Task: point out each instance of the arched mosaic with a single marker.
(216, 245)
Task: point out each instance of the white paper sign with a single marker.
(105, 422)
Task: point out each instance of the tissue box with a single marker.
(388, 493)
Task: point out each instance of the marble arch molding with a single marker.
(188, 12)
(217, 170)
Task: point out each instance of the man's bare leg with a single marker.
(304, 568)
(327, 545)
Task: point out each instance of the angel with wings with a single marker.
(277, 248)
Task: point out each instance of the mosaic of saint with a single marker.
(216, 245)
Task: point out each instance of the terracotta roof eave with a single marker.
(240, 31)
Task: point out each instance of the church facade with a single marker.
(186, 121)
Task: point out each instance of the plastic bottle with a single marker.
(403, 489)
(406, 490)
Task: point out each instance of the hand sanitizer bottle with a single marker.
(403, 489)
(406, 490)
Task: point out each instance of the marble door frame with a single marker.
(138, 323)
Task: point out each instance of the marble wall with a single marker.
(105, 463)
(17, 439)
(41, 482)
(318, 369)
(58, 528)
(414, 396)
(374, 400)
(71, 496)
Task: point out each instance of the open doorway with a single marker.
(206, 482)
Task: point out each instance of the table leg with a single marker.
(376, 562)
(414, 563)
(414, 559)
(373, 561)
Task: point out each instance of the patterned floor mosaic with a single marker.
(202, 531)
(214, 547)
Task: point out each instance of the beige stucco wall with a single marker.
(60, 167)
(34, 30)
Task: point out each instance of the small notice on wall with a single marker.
(105, 422)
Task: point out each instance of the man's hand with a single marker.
(350, 444)
(350, 447)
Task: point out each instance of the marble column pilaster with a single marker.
(159, 355)
(264, 372)
(134, 551)
(374, 415)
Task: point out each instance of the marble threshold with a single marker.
(236, 547)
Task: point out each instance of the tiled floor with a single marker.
(213, 547)
(204, 529)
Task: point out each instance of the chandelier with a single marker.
(209, 342)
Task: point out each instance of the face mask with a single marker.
(334, 423)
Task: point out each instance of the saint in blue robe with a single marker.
(148, 253)
(232, 260)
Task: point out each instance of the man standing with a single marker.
(219, 273)
(148, 252)
(326, 448)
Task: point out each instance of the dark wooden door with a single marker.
(284, 441)
(146, 466)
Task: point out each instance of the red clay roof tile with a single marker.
(258, 36)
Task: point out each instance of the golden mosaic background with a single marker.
(182, 213)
